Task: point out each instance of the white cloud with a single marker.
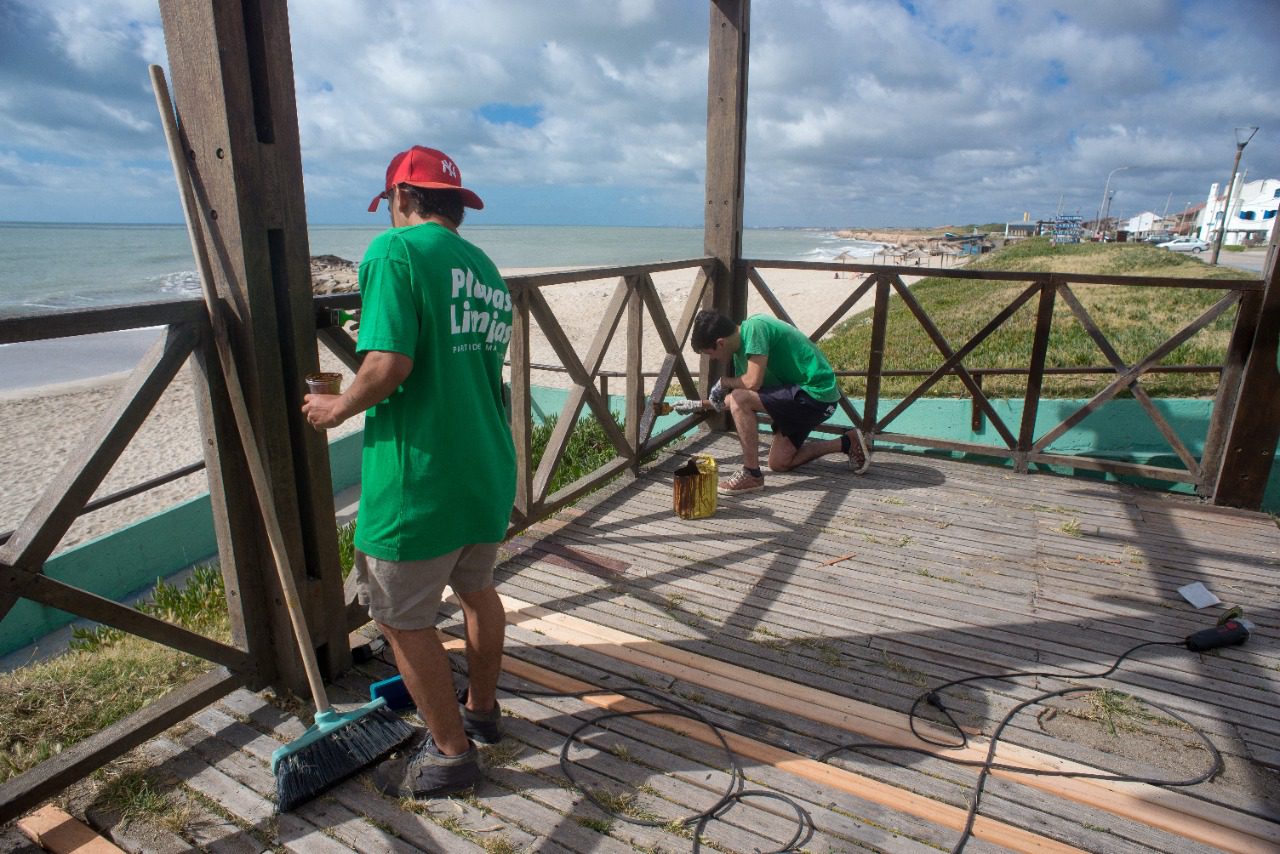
(860, 111)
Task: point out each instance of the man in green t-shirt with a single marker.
(775, 369)
(438, 466)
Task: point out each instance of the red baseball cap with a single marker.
(426, 167)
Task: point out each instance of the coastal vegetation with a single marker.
(1135, 320)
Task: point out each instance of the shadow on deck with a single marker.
(811, 615)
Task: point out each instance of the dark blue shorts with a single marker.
(794, 412)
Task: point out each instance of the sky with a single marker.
(861, 113)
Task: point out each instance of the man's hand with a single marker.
(717, 395)
(323, 410)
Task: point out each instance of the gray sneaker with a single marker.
(428, 773)
(481, 727)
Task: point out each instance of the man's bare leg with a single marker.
(424, 666)
(784, 456)
(486, 624)
(743, 405)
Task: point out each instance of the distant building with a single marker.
(1143, 224)
(1019, 230)
(1251, 218)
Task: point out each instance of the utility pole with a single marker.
(1243, 135)
(1106, 201)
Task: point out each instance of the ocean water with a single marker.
(64, 266)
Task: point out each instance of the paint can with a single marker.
(694, 490)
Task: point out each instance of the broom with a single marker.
(338, 744)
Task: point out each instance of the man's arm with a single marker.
(752, 379)
(380, 374)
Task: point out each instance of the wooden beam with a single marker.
(729, 38)
(232, 71)
(1248, 457)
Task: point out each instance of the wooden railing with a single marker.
(1022, 443)
(634, 298)
(23, 555)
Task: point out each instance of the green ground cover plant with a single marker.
(1135, 320)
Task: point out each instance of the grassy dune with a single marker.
(1135, 320)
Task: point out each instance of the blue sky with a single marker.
(861, 112)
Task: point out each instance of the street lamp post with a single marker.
(1106, 190)
(1243, 135)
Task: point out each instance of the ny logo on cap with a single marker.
(447, 167)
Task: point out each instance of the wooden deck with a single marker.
(811, 615)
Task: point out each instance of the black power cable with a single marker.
(735, 792)
(987, 765)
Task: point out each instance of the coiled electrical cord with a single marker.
(987, 765)
(735, 792)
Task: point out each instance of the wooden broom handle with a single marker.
(253, 456)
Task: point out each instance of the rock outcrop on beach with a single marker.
(333, 275)
(911, 242)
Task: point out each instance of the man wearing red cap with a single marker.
(438, 466)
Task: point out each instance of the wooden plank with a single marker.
(80, 321)
(243, 198)
(26, 790)
(1035, 373)
(633, 407)
(875, 358)
(48, 591)
(1139, 393)
(1167, 810)
(340, 343)
(53, 828)
(573, 365)
(533, 281)
(985, 829)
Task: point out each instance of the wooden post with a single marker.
(728, 41)
(1249, 451)
(232, 72)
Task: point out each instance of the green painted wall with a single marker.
(170, 541)
(153, 548)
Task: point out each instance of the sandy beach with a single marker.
(40, 428)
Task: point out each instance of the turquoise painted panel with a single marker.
(118, 565)
(153, 548)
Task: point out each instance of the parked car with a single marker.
(1185, 244)
(1158, 237)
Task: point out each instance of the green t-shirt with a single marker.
(439, 466)
(793, 358)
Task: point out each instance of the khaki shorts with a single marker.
(405, 594)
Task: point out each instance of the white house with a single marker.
(1251, 218)
(1143, 224)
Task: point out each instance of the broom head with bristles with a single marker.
(336, 746)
